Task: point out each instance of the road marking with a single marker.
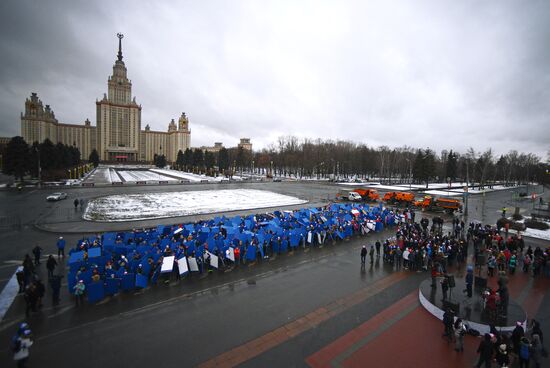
(9, 293)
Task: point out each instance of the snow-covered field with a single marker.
(143, 175)
(184, 175)
(131, 207)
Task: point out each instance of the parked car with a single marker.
(56, 196)
(277, 180)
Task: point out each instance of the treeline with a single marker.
(20, 159)
(347, 160)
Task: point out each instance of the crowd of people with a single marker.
(114, 261)
(135, 259)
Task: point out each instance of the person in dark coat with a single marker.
(469, 281)
(28, 269)
(51, 263)
(485, 351)
(363, 255)
(55, 285)
(37, 251)
(517, 334)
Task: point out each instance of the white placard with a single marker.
(179, 230)
(167, 264)
(309, 237)
(193, 266)
(214, 261)
(182, 265)
(230, 254)
(371, 226)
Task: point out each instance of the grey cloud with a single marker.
(443, 74)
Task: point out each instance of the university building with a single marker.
(117, 135)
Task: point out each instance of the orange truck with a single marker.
(370, 195)
(399, 197)
(440, 203)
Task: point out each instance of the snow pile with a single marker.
(131, 207)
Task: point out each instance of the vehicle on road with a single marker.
(430, 203)
(57, 196)
(368, 195)
(399, 197)
(346, 195)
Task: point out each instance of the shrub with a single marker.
(534, 224)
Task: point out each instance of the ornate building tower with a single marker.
(118, 117)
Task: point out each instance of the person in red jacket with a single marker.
(237, 253)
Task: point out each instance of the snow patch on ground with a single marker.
(143, 175)
(183, 175)
(131, 207)
(535, 233)
(442, 193)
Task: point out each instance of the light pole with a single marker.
(410, 173)
(271, 169)
(39, 167)
(252, 167)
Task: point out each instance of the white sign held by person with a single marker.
(167, 264)
(193, 266)
(230, 254)
(182, 265)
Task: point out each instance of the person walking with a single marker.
(469, 281)
(21, 343)
(51, 263)
(79, 290)
(28, 270)
(60, 247)
(37, 251)
(378, 245)
(502, 358)
(460, 331)
(55, 285)
(524, 353)
(536, 350)
(371, 254)
(448, 319)
(485, 351)
(363, 255)
(75, 203)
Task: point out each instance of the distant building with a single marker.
(117, 135)
(245, 144)
(214, 149)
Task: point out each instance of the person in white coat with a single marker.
(21, 353)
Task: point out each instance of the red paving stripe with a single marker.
(325, 356)
(255, 347)
(414, 341)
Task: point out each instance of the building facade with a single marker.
(117, 135)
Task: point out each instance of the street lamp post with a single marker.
(271, 169)
(252, 167)
(39, 167)
(410, 173)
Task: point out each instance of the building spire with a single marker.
(120, 37)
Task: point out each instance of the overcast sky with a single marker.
(438, 74)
